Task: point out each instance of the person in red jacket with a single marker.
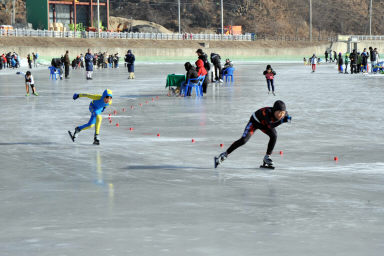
(201, 71)
(204, 59)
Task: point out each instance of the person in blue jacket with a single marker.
(96, 107)
(89, 64)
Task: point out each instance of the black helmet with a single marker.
(278, 106)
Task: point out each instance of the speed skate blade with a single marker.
(267, 167)
(215, 161)
(70, 135)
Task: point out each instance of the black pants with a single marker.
(66, 68)
(354, 68)
(205, 84)
(250, 128)
(218, 69)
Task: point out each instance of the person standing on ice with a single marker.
(269, 74)
(96, 107)
(346, 62)
(89, 64)
(265, 119)
(130, 60)
(340, 63)
(313, 62)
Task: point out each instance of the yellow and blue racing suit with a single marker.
(96, 107)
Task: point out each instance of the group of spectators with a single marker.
(358, 62)
(32, 59)
(9, 60)
(202, 68)
(89, 60)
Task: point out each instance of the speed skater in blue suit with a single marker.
(96, 107)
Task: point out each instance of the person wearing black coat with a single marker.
(340, 63)
(216, 61)
(130, 60)
(191, 73)
(353, 57)
(326, 56)
(201, 55)
(89, 64)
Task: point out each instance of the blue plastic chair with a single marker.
(197, 83)
(52, 72)
(228, 73)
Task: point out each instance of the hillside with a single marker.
(264, 17)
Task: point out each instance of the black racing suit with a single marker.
(264, 120)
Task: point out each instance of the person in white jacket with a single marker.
(313, 62)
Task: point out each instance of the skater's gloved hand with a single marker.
(18, 73)
(286, 119)
(75, 96)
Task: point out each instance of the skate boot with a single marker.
(267, 163)
(96, 140)
(74, 135)
(219, 159)
(273, 93)
(35, 93)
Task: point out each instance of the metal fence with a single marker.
(120, 35)
(361, 37)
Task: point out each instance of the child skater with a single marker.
(269, 73)
(96, 107)
(265, 119)
(314, 62)
(29, 81)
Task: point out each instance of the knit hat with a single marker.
(278, 106)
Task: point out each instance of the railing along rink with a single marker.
(121, 35)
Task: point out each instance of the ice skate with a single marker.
(221, 81)
(273, 93)
(74, 135)
(35, 93)
(267, 163)
(96, 140)
(219, 159)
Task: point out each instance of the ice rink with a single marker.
(146, 195)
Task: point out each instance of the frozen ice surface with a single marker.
(140, 194)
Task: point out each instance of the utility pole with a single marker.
(98, 18)
(13, 12)
(179, 17)
(310, 20)
(222, 18)
(370, 18)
